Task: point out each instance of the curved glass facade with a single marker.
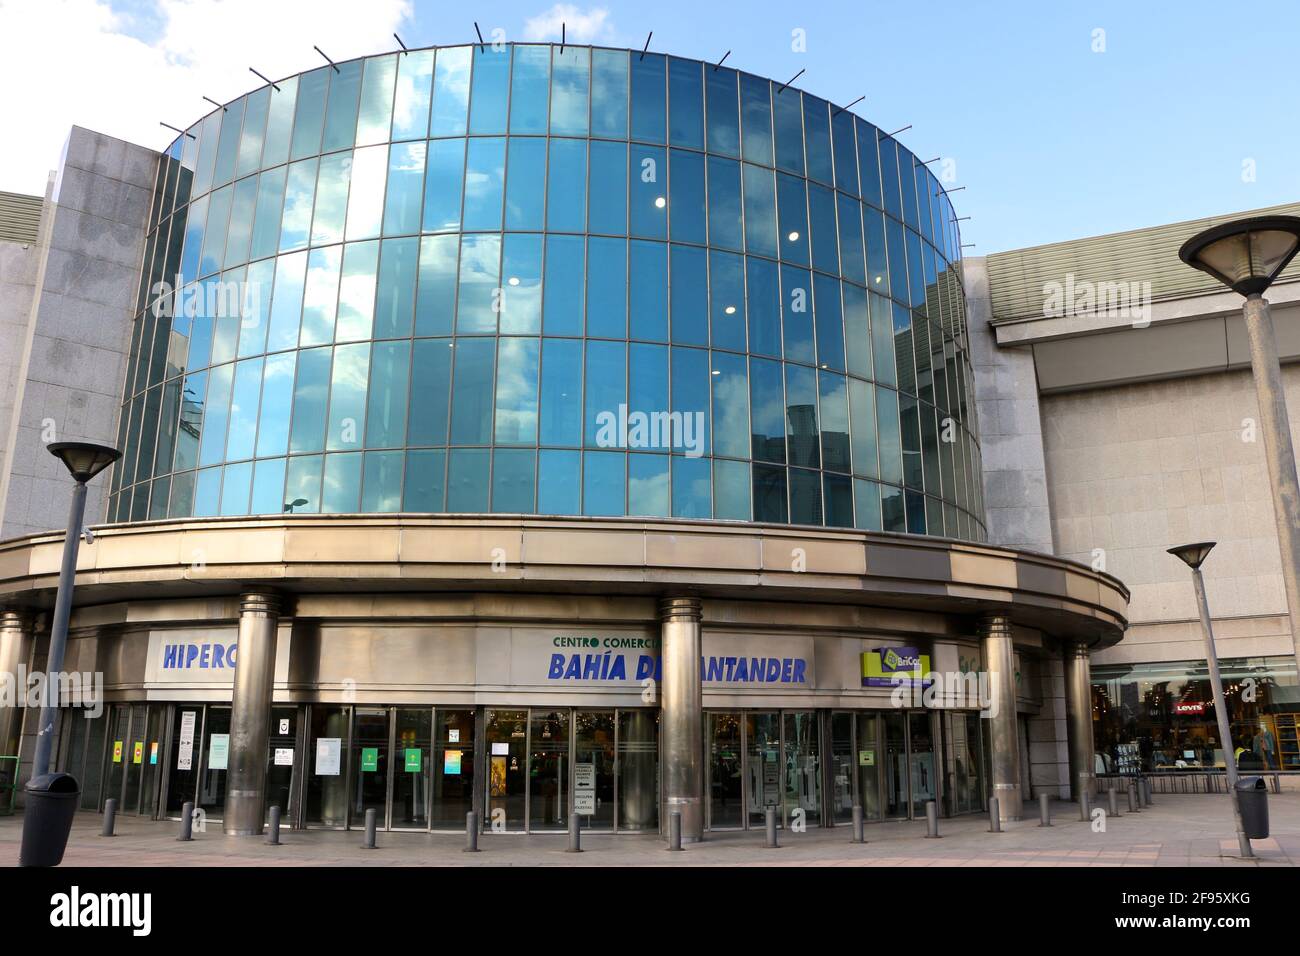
(551, 281)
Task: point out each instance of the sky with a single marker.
(1061, 118)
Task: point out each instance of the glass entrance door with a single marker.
(214, 755)
(281, 748)
(507, 751)
(726, 772)
(368, 759)
(410, 804)
(593, 768)
(453, 769)
(921, 770)
(869, 764)
(119, 723)
(842, 767)
(638, 770)
(763, 733)
(326, 800)
(896, 770)
(183, 757)
(548, 770)
(802, 763)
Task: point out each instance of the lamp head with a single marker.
(1193, 554)
(83, 459)
(1245, 255)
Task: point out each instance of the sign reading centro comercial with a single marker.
(636, 659)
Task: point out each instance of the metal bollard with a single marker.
(372, 820)
(110, 816)
(1134, 803)
(1146, 790)
(1112, 798)
(575, 834)
(1085, 811)
(187, 822)
(471, 832)
(859, 830)
(771, 828)
(995, 817)
(931, 820)
(1044, 810)
(675, 830)
(273, 838)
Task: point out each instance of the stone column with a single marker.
(1000, 659)
(250, 713)
(1078, 712)
(15, 653)
(683, 715)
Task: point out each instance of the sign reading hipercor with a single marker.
(607, 659)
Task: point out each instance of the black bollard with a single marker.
(187, 823)
(1112, 800)
(771, 828)
(110, 817)
(675, 830)
(931, 820)
(575, 834)
(273, 838)
(995, 817)
(859, 830)
(471, 832)
(1044, 810)
(1134, 803)
(372, 822)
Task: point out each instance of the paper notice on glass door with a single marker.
(185, 746)
(328, 750)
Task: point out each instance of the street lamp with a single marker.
(84, 460)
(1193, 555)
(1246, 256)
(296, 503)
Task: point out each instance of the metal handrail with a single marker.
(1199, 780)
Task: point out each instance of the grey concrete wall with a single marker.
(1016, 502)
(1136, 469)
(69, 384)
(1049, 749)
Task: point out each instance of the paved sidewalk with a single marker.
(1180, 830)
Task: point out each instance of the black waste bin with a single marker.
(52, 801)
(1252, 798)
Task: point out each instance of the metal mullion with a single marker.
(528, 770)
(392, 751)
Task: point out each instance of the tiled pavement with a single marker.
(1180, 830)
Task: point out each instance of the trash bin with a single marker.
(1252, 798)
(52, 800)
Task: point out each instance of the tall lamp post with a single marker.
(1193, 555)
(84, 460)
(1246, 256)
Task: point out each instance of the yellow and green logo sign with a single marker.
(894, 666)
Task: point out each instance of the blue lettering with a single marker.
(731, 668)
(786, 668)
(218, 655)
(557, 667)
(715, 669)
(204, 651)
(191, 652)
(230, 655)
(742, 671)
(773, 670)
(798, 670)
(619, 670)
(592, 670)
(170, 654)
(644, 666)
(574, 670)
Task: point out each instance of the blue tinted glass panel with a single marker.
(405, 189)
(648, 485)
(829, 322)
(207, 493)
(726, 227)
(607, 288)
(395, 303)
(228, 144)
(764, 294)
(299, 200)
(723, 115)
(731, 433)
(604, 477)
(445, 167)
(852, 250)
(609, 93)
(513, 476)
(516, 401)
(838, 496)
(647, 396)
(286, 301)
(484, 181)
(526, 183)
(607, 188)
(756, 119)
(277, 400)
(387, 402)
(414, 92)
(566, 187)
(341, 486)
(479, 299)
(268, 487)
(214, 239)
(803, 442)
(606, 387)
(302, 485)
(375, 117)
(787, 113)
(648, 192)
(792, 215)
(692, 487)
(727, 300)
(424, 484)
(559, 482)
(862, 416)
(731, 489)
(490, 91)
(805, 497)
(381, 482)
(347, 409)
(341, 111)
(846, 151)
(796, 301)
(266, 222)
(685, 103)
(833, 415)
(330, 215)
(889, 178)
(570, 85)
(521, 296)
(430, 381)
(528, 89)
(690, 395)
(760, 211)
(688, 286)
(561, 394)
(857, 331)
(648, 291)
(357, 291)
(866, 505)
(868, 162)
(825, 248)
(212, 443)
(435, 301)
(686, 204)
(770, 494)
(888, 436)
(648, 97)
(473, 387)
(817, 139)
(450, 92)
(562, 291)
(320, 299)
(310, 116)
(877, 263)
(243, 410)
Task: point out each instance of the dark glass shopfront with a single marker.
(1160, 717)
(425, 768)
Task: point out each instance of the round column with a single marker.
(1078, 715)
(15, 651)
(1000, 659)
(250, 713)
(683, 715)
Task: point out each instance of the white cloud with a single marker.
(76, 62)
(581, 26)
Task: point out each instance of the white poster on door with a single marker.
(218, 751)
(185, 746)
(284, 756)
(328, 750)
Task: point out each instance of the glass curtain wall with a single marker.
(549, 281)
